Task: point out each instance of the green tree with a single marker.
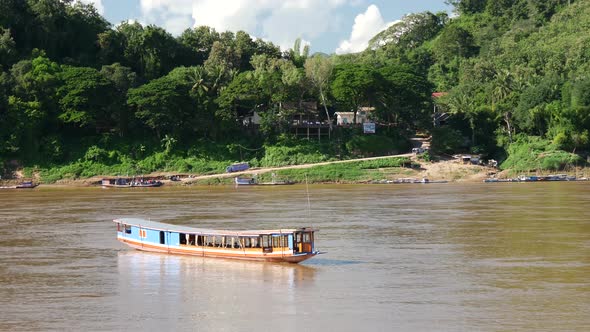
(410, 32)
(454, 41)
(8, 52)
(468, 6)
(355, 86)
(164, 104)
(123, 79)
(460, 101)
(318, 70)
(242, 93)
(24, 122)
(200, 41)
(405, 97)
(150, 51)
(86, 98)
(298, 55)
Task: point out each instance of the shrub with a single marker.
(94, 153)
(529, 153)
(282, 155)
(343, 172)
(371, 145)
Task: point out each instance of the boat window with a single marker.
(218, 240)
(119, 228)
(255, 242)
(299, 237)
(265, 241)
(200, 240)
(276, 241)
(192, 240)
(128, 229)
(307, 237)
(182, 238)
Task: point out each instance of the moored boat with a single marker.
(245, 181)
(125, 183)
(26, 185)
(115, 183)
(146, 183)
(277, 183)
(22, 185)
(280, 245)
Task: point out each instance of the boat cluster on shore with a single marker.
(409, 180)
(240, 181)
(130, 183)
(537, 178)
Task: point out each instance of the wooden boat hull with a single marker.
(245, 182)
(26, 187)
(20, 186)
(212, 253)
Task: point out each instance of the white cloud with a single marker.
(278, 21)
(97, 4)
(366, 26)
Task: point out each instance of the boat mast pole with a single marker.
(308, 202)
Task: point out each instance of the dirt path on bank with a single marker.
(253, 171)
(450, 170)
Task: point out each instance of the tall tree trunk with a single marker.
(508, 125)
(325, 107)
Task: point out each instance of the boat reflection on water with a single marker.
(155, 285)
(144, 264)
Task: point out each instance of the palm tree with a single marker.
(502, 88)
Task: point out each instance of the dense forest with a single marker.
(81, 97)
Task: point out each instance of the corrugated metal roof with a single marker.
(187, 229)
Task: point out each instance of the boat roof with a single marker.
(187, 229)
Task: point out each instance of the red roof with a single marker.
(438, 94)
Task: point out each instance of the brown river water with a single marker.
(434, 257)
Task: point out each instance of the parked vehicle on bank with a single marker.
(239, 167)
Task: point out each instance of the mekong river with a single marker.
(435, 257)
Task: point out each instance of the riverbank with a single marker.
(365, 170)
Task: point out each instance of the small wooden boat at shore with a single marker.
(415, 181)
(280, 245)
(245, 181)
(22, 185)
(277, 183)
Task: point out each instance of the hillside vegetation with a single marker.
(80, 97)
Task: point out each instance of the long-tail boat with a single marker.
(280, 245)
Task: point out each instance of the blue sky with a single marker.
(340, 26)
